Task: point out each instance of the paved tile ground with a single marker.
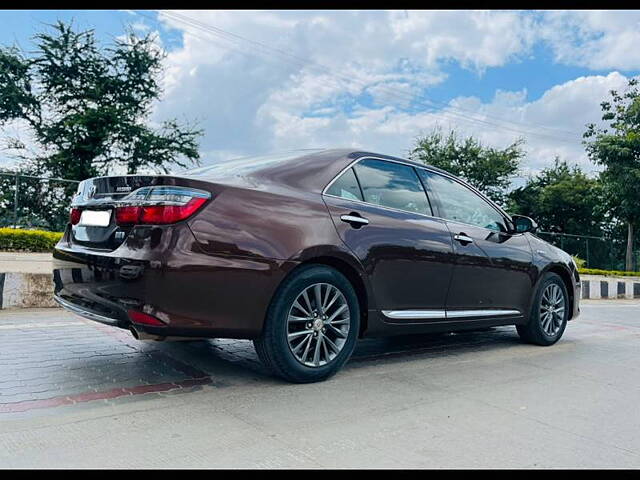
(49, 357)
(74, 393)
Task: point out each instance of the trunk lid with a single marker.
(97, 198)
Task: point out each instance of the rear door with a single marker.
(493, 271)
(383, 215)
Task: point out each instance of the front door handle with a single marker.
(463, 238)
(354, 220)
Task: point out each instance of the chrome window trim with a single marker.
(430, 170)
(456, 222)
(358, 160)
(445, 314)
(384, 207)
(482, 197)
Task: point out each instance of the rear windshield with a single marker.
(244, 165)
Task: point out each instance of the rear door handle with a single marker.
(354, 220)
(463, 238)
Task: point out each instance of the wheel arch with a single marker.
(351, 270)
(567, 279)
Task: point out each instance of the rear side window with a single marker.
(392, 185)
(346, 186)
(458, 203)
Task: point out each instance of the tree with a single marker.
(488, 169)
(561, 199)
(42, 203)
(616, 147)
(88, 108)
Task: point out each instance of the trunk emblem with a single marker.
(123, 189)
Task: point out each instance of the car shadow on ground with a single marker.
(225, 359)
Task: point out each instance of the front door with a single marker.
(493, 274)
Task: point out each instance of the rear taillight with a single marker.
(127, 215)
(74, 216)
(159, 205)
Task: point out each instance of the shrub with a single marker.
(610, 273)
(579, 261)
(14, 239)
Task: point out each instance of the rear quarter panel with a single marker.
(282, 225)
(273, 224)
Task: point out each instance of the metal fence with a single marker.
(28, 201)
(597, 252)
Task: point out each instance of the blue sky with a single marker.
(376, 79)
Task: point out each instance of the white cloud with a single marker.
(554, 123)
(339, 70)
(473, 39)
(140, 27)
(251, 99)
(349, 78)
(594, 39)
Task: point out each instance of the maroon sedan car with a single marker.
(304, 253)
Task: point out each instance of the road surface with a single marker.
(74, 393)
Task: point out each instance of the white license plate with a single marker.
(95, 218)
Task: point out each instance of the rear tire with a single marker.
(307, 337)
(549, 312)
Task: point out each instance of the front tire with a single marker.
(549, 312)
(311, 326)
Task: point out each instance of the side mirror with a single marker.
(522, 224)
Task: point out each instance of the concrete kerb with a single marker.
(598, 286)
(26, 290)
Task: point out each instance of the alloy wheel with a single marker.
(318, 324)
(552, 307)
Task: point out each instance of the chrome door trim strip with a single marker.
(481, 313)
(414, 314)
(442, 314)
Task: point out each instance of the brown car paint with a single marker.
(216, 273)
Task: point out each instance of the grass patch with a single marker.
(609, 273)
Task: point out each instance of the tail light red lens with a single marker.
(145, 319)
(164, 214)
(74, 216)
(160, 205)
(127, 215)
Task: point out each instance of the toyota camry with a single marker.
(306, 252)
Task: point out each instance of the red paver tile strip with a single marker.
(104, 395)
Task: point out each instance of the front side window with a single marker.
(458, 203)
(392, 185)
(346, 186)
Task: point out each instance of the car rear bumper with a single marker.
(162, 272)
(85, 312)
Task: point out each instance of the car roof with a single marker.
(309, 169)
